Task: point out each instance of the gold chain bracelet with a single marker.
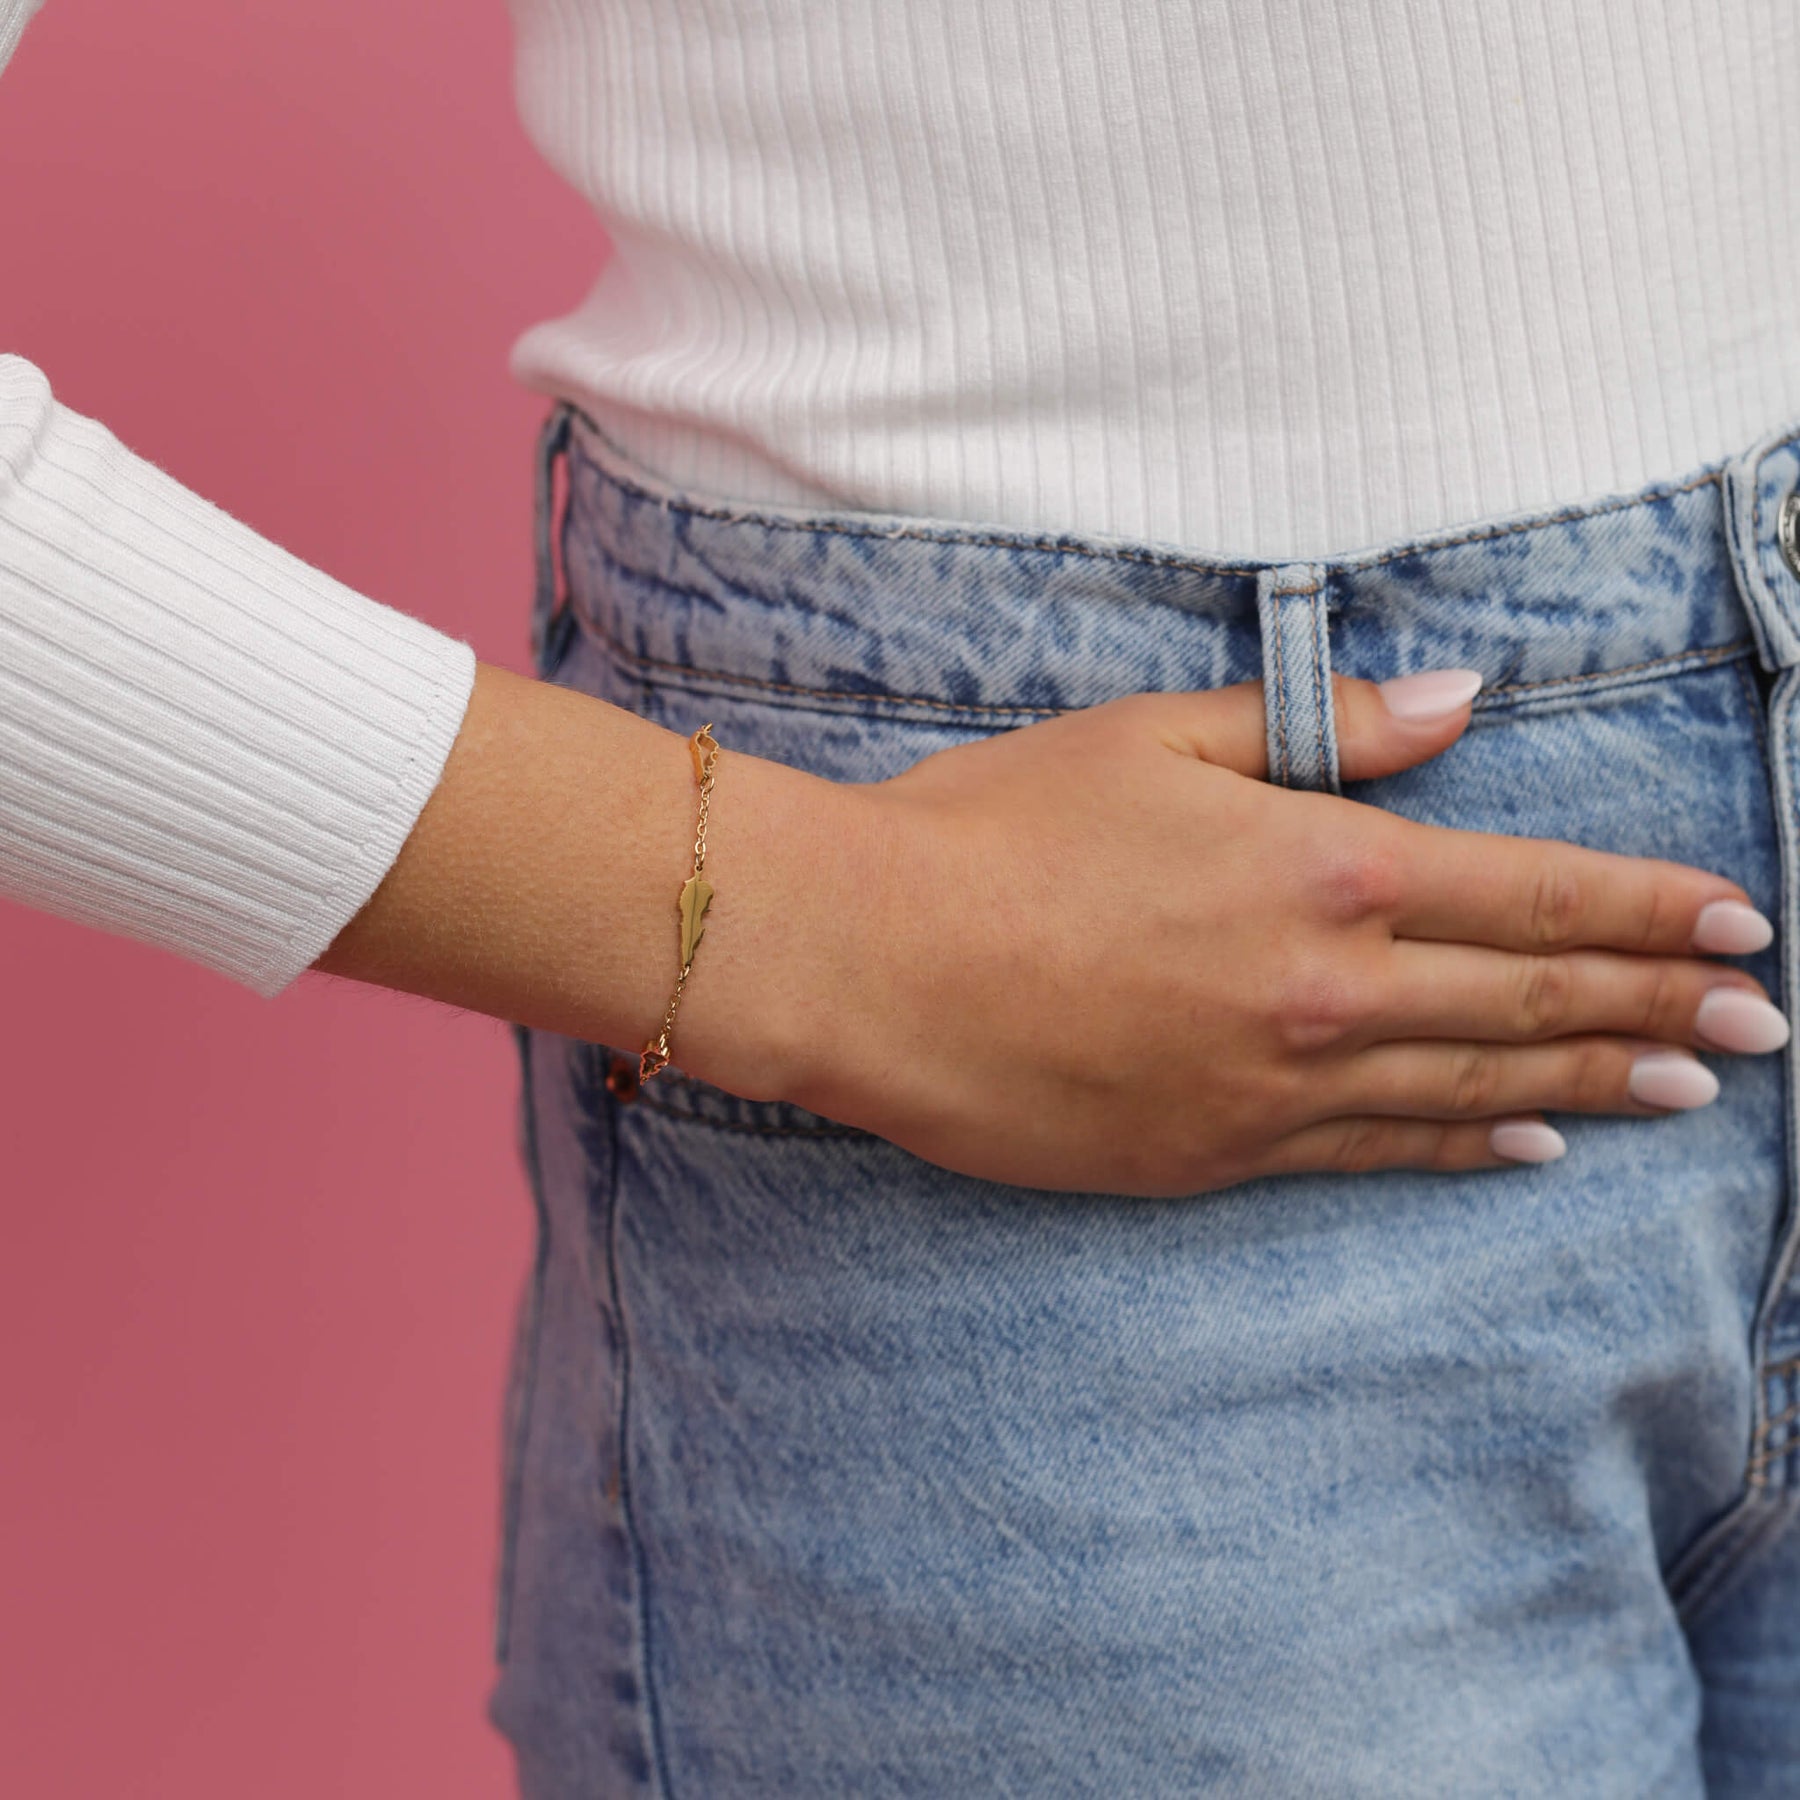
(703, 747)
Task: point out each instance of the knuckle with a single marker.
(1452, 1149)
(1362, 1144)
(1362, 880)
(1318, 1007)
(1554, 907)
(1597, 1082)
(1546, 996)
(1584, 1077)
(1118, 725)
(1133, 710)
(1656, 1012)
(1474, 1079)
(1654, 926)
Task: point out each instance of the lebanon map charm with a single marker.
(695, 894)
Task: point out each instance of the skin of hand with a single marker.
(1098, 953)
(1104, 953)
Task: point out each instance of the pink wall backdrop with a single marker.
(259, 1259)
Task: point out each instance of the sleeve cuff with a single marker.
(205, 743)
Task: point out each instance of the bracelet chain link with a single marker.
(691, 906)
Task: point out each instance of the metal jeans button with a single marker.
(1787, 531)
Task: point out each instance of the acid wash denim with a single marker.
(830, 1473)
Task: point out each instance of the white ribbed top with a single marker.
(1267, 277)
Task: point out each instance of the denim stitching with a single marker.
(1791, 1411)
(1321, 685)
(620, 649)
(965, 710)
(1787, 1246)
(1281, 705)
(1766, 1450)
(1773, 1454)
(1747, 1530)
(760, 1130)
(1746, 572)
(1701, 656)
(1702, 1583)
(1061, 547)
(1775, 1451)
(1753, 699)
(627, 1511)
(673, 1081)
(1746, 561)
(1688, 1581)
(1727, 1544)
(526, 1348)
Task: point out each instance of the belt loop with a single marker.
(1292, 610)
(548, 611)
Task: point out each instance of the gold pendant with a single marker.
(695, 894)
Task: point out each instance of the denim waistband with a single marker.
(856, 611)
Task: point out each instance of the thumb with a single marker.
(1387, 725)
(1381, 726)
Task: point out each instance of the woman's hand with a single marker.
(1105, 953)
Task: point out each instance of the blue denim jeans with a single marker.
(831, 1473)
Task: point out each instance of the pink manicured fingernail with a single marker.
(1735, 1020)
(1667, 1078)
(1526, 1140)
(1430, 694)
(1733, 927)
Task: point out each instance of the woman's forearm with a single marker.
(539, 884)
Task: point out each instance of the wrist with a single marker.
(540, 885)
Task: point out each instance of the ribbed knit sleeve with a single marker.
(205, 743)
(13, 14)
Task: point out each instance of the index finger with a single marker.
(1540, 894)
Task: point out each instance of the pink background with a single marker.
(260, 1259)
